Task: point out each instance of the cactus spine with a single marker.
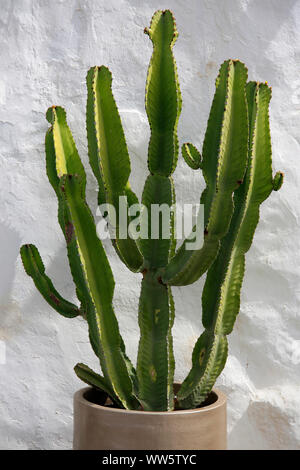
(237, 168)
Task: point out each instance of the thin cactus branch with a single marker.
(90, 377)
(35, 268)
(191, 156)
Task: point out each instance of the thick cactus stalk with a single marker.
(155, 364)
(155, 358)
(237, 168)
(221, 294)
(155, 248)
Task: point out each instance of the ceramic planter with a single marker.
(99, 427)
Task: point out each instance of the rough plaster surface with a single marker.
(46, 49)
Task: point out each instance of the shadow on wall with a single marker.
(264, 426)
(42, 360)
(10, 315)
(10, 244)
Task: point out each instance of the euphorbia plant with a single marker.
(237, 169)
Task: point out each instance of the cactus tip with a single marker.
(49, 114)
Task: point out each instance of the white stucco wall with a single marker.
(46, 49)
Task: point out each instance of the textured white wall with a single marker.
(46, 49)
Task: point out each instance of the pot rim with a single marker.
(221, 400)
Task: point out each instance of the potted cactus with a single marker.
(140, 407)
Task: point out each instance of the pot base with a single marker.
(99, 427)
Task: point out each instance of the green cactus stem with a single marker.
(191, 156)
(223, 166)
(90, 377)
(155, 363)
(99, 288)
(108, 154)
(163, 98)
(35, 268)
(221, 293)
(237, 168)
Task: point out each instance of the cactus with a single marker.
(237, 168)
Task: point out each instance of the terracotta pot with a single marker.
(99, 427)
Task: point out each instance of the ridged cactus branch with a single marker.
(35, 268)
(90, 377)
(223, 166)
(91, 135)
(163, 98)
(109, 155)
(237, 168)
(221, 294)
(62, 157)
(99, 287)
(191, 156)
